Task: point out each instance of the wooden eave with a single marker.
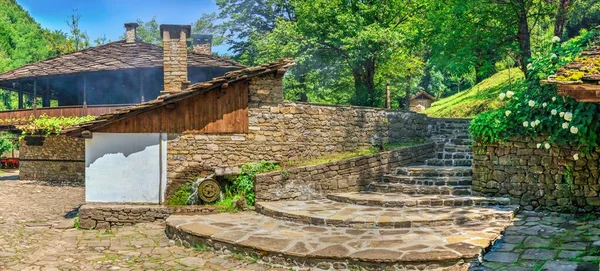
(585, 93)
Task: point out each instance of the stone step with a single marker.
(457, 190)
(406, 200)
(331, 213)
(449, 162)
(441, 181)
(434, 171)
(454, 155)
(461, 141)
(308, 246)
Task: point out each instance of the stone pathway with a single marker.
(539, 241)
(335, 247)
(35, 235)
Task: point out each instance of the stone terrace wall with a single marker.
(350, 175)
(285, 131)
(53, 159)
(537, 178)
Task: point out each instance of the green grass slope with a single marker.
(479, 98)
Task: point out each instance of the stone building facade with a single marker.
(52, 159)
(537, 178)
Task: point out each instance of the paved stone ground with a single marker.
(31, 238)
(547, 241)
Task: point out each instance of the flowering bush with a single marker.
(51, 125)
(536, 111)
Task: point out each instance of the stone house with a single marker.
(421, 101)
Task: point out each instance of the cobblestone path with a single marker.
(34, 235)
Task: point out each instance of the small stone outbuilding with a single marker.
(421, 101)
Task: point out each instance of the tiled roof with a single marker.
(584, 70)
(112, 56)
(280, 66)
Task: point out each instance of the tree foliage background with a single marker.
(347, 50)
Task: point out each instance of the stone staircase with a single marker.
(417, 217)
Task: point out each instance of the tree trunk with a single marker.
(561, 18)
(524, 38)
(364, 83)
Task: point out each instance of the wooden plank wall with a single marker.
(214, 112)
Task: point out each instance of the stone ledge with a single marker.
(108, 215)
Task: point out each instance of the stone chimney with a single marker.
(202, 44)
(130, 32)
(175, 56)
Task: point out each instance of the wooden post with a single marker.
(34, 98)
(140, 75)
(85, 95)
(387, 96)
(21, 95)
(46, 95)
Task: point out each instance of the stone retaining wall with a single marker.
(54, 159)
(538, 178)
(350, 175)
(105, 216)
(287, 131)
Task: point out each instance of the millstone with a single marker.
(209, 190)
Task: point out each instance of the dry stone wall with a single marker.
(55, 159)
(350, 175)
(290, 131)
(538, 178)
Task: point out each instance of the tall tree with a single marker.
(364, 34)
(80, 38)
(562, 14)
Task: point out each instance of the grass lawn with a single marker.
(479, 98)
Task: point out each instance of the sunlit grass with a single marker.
(480, 98)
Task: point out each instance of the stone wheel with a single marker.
(209, 190)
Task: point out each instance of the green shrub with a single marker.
(51, 125)
(242, 186)
(534, 110)
(181, 196)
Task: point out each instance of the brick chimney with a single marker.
(175, 56)
(130, 32)
(202, 44)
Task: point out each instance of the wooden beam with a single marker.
(34, 98)
(46, 95)
(141, 76)
(20, 96)
(85, 112)
(581, 93)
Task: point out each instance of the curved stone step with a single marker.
(328, 212)
(434, 171)
(289, 243)
(404, 200)
(441, 181)
(457, 190)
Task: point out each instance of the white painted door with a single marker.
(125, 167)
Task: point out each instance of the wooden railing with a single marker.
(65, 111)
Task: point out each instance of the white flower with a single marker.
(574, 130)
(507, 113)
(553, 112)
(544, 105)
(553, 99)
(510, 94)
(539, 145)
(568, 116)
(547, 146)
(562, 114)
(553, 56)
(525, 124)
(576, 156)
(530, 66)
(555, 39)
(533, 123)
(531, 103)
(565, 125)
(537, 122)
(502, 96)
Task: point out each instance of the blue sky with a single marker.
(106, 17)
